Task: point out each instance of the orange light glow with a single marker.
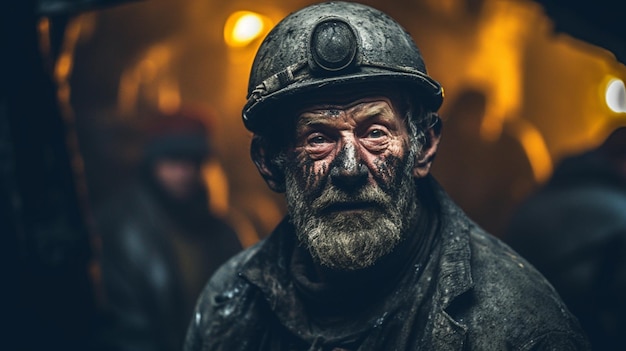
(496, 64)
(168, 96)
(43, 31)
(64, 66)
(535, 148)
(216, 181)
(243, 27)
(151, 79)
(127, 92)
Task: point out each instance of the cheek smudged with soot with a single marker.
(387, 169)
(307, 176)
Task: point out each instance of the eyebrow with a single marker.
(370, 112)
(318, 117)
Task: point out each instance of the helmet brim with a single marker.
(425, 90)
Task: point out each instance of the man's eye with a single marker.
(318, 139)
(375, 133)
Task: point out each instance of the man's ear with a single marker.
(265, 162)
(425, 158)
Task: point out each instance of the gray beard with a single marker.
(354, 240)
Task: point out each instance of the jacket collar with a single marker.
(455, 276)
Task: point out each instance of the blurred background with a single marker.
(87, 76)
(518, 97)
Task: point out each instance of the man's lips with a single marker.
(350, 206)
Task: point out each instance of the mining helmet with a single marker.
(333, 44)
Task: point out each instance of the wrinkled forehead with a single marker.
(353, 99)
(371, 105)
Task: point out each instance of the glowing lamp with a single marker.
(243, 27)
(615, 95)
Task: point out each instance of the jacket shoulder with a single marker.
(228, 273)
(513, 298)
(222, 301)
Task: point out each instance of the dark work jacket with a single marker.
(154, 267)
(474, 293)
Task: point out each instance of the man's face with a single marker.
(349, 186)
(179, 178)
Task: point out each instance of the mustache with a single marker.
(333, 199)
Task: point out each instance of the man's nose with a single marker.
(347, 170)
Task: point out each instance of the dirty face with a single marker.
(349, 187)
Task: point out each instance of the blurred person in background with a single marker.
(160, 241)
(574, 228)
(486, 195)
(574, 231)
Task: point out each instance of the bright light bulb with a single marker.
(616, 95)
(242, 27)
